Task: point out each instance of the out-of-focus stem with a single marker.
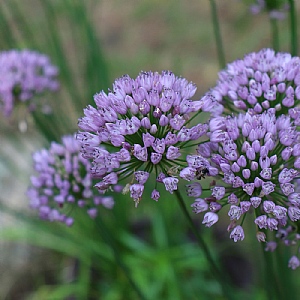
(221, 278)
(293, 26)
(217, 33)
(275, 34)
(271, 283)
(107, 237)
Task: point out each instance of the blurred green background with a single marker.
(93, 42)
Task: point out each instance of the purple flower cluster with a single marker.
(260, 81)
(146, 124)
(254, 160)
(254, 155)
(24, 74)
(63, 182)
(276, 8)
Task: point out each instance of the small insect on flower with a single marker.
(201, 173)
(173, 171)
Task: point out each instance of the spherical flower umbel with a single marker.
(23, 75)
(63, 182)
(146, 122)
(254, 161)
(261, 80)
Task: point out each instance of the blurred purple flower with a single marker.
(294, 262)
(276, 8)
(23, 75)
(63, 182)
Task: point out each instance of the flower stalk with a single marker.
(274, 34)
(293, 28)
(107, 236)
(217, 34)
(217, 273)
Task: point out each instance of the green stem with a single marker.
(220, 277)
(271, 282)
(217, 33)
(286, 274)
(275, 34)
(293, 25)
(107, 236)
(188, 144)
(268, 286)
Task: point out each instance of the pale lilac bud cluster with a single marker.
(260, 81)
(146, 122)
(254, 161)
(276, 8)
(23, 75)
(63, 182)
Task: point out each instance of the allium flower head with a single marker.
(260, 81)
(63, 182)
(23, 75)
(146, 123)
(255, 160)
